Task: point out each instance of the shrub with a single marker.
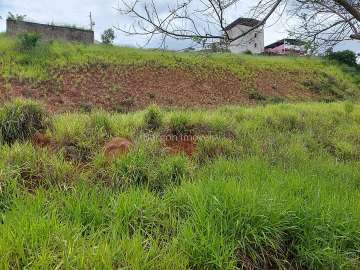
(28, 41)
(108, 36)
(20, 120)
(344, 57)
(153, 118)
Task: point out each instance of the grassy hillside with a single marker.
(274, 187)
(68, 77)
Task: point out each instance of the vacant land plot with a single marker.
(274, 187)
(68, 77)
(194, 182)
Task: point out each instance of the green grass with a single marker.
(47, 60)
(268, 187)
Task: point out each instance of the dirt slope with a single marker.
(119, 88)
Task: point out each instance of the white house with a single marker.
(253, 41)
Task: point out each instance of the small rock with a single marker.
(117, 147)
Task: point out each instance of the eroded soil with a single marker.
(116, 88)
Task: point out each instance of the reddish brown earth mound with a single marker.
(116, 88)
(116, 147)
(180, 144)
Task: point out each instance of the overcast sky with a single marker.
(105, 16)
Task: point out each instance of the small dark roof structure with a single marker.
(243, 21)
(289, 41)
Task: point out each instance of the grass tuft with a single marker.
(20, 120)
(153, 118)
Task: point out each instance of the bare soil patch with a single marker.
(119, 88)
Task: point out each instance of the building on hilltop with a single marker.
(287, 47)
(50, 32)
(252, 42)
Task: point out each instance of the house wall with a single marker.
(287, 49)
(50, 32)
(254, 41)
(278, 50)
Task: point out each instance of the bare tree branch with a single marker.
(197, 20)
(320, 22)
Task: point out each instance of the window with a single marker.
(255, 45)
(255, 35)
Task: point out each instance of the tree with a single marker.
(324, 23)
(204, 21)
(108, 36)
(16, 17)
(345, 57)
(201, 21)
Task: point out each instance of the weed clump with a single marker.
(98, 128)
(286, 122)
(33, 168)
(212, 147)
(132, 169)
(144, 166)
(171, 171)
(153, 118)
(180, 125)
(28, 41)
(83, 136)
(256, 96)
(348, 108)
(20, 120)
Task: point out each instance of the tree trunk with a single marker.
(350, 8)
(355, 36)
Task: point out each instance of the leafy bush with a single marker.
(344, 57)
(153, 118)
(108, 36)
(28, 41)
(20, 120)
